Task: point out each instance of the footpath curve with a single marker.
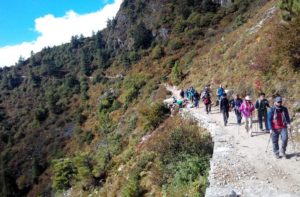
(240, 165)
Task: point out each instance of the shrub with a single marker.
(64, 171)
(239, 20)
(175, 44)
(83, 165)
(132, 85)
(176, 74)
(41, 114)
(88, 137)
(157, 52)
(179, 26)
(155, 115)
(134, 57)
(131, 187)
(290, 8)
(195, 33)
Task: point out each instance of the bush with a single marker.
(41, 114)
(157, 52)
(134, 57)
(175, 44)
(132, 85)
(179, 26)
(195, 33)
(131, 187)
(290, 8)
(64, 171)
(176, 74)
(155, 115)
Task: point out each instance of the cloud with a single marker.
(58, 30)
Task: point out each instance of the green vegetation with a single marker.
(176, 75)
(290, 8)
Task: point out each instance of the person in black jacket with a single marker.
(224, 106)
(261, 106)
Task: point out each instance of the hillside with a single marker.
(80, 115)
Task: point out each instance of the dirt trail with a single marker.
(240, 166)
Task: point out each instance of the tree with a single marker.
(142, 36)
(64, 170)
(290, 8)
(176, 74)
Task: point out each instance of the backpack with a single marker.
(206, 101)
(206, 98)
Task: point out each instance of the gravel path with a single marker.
(240, 165)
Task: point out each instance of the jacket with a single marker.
(220, 91)
(224, 104)
(247, 109)
(261, 105)
(286, 116)
(236, 104)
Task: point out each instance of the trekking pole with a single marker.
(291, 135)
(268, 142)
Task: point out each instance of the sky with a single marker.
(31, 25)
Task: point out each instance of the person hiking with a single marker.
(206, 98)
(181, 93)
(279, 121)
(236, 104)
(246, 109)
(261, 106)
(196, 99)
(224, 105)
(220, 92)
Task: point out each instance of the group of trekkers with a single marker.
(271, 119)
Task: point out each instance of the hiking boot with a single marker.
(277, 156)
(283, 155)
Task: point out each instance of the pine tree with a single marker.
(176, 75)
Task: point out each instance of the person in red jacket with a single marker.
(279, 121)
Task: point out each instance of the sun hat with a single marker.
(248, 98)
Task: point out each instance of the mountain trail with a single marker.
(241, 165)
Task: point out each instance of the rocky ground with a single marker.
(244, 165)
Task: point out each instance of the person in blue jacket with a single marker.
(220, 93)
(279, 122)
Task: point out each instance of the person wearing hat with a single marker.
(246, 109)
(278, 122)
(261, 106)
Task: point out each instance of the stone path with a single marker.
(240, 165)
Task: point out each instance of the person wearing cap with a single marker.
(261, 106)
(224, 105)
(279, 121)
(246, 109)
